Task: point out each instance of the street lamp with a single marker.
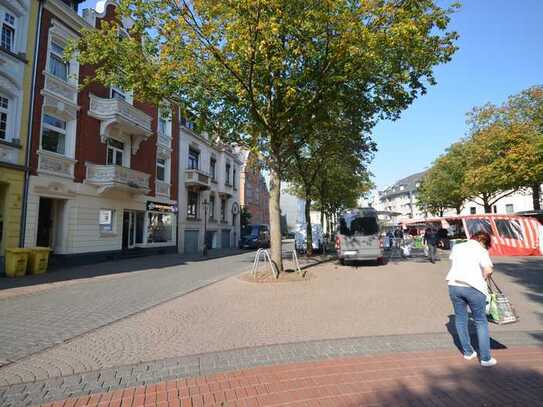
(206, 204)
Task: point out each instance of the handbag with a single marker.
(500, 310)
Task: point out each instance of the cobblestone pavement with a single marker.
(144, 374)
(438, 378)
(32, 323)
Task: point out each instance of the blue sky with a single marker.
(501, 53)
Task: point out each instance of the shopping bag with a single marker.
(500, 310)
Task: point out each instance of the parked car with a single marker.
(300, 237)
(255, 237)
(358, 236)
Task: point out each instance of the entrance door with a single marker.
(45, 222)
(129, 230)
(210, 235)
(225, 237)
(191, 241)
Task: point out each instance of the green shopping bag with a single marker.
(493, 311)
(500, 310)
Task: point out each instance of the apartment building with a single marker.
(209, 193)
(103, 165)
(254, 194)
(401, 198)
(18, 22)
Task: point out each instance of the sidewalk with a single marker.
(432, 378)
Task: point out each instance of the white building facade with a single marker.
(209, 193)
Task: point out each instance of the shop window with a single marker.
(106, 220)
(115, 151)
(194, 158)
(57, 66)
(8, 32)
(160, 227)
(53, 136)
(4, 117)
(192, 205)
(161, 169)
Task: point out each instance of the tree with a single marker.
(244, 218)
(255, 72)
(442, 185)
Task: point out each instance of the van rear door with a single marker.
(360, 234)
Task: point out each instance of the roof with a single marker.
(409, 183)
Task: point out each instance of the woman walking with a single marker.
(471, 266)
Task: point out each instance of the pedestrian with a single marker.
(471, 267)
(430, 239)
(398, 237)
(390, 237)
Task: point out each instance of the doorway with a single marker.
(45, 222)
(225, 237)
(132, 229)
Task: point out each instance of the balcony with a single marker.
(60, 88)
(162, 189)
(118, 116)
(115, 177)
(226, 191)
(196, 179)
(58, 165)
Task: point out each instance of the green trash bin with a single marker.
(16, 262)
(38, 260)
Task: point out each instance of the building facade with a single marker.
(209, 199)
(254, 194)
(18, 22)
(103, 165)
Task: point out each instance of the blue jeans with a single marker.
(461, 297)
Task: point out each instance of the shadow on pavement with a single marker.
(118, 266)
(459, 386)
(494, 344)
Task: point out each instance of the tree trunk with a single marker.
(487, 206)
(536, 197)
(458, 210)
(309, 229)
(275, 220)
(322, 220)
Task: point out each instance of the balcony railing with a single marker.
(196, 178)
(60, 88)
(55, 164)
(164, 140)
(116, 177)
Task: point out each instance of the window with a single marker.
(4, 113)
(223, 210)
(234, 218)
(479, 225)
(57, 66)
(8, 32)
(160, 227)
(358, 225)
(116, 93)
(473, 210)
(212, 207)
(53, 137)
(115, 150)
(494, 209)
(192, 205)
(234, 177)
(162, 125)
(161, 169)
(227, 175)
(212, 168)
(194, 158)
(509, 208)
(509, 229)
(106, 220)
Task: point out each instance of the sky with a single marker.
(500, 53)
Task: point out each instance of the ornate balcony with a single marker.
(55, 164)
(196, 179)
(162, 189)
(119, 116)
(60, 88)
(115, 177)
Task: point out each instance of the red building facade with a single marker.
(254, 196)
(103, 165)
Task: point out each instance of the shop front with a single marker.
(161, 221)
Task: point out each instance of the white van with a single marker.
(358, 236)
(300, 237)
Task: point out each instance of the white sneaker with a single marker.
(489, 363)
(470, 357)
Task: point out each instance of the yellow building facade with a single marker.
(17, 48)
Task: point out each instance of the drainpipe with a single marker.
(24, 208)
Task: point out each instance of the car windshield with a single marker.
(358, 226)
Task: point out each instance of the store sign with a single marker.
(105, 217)
(235, 208)
(161, 207)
